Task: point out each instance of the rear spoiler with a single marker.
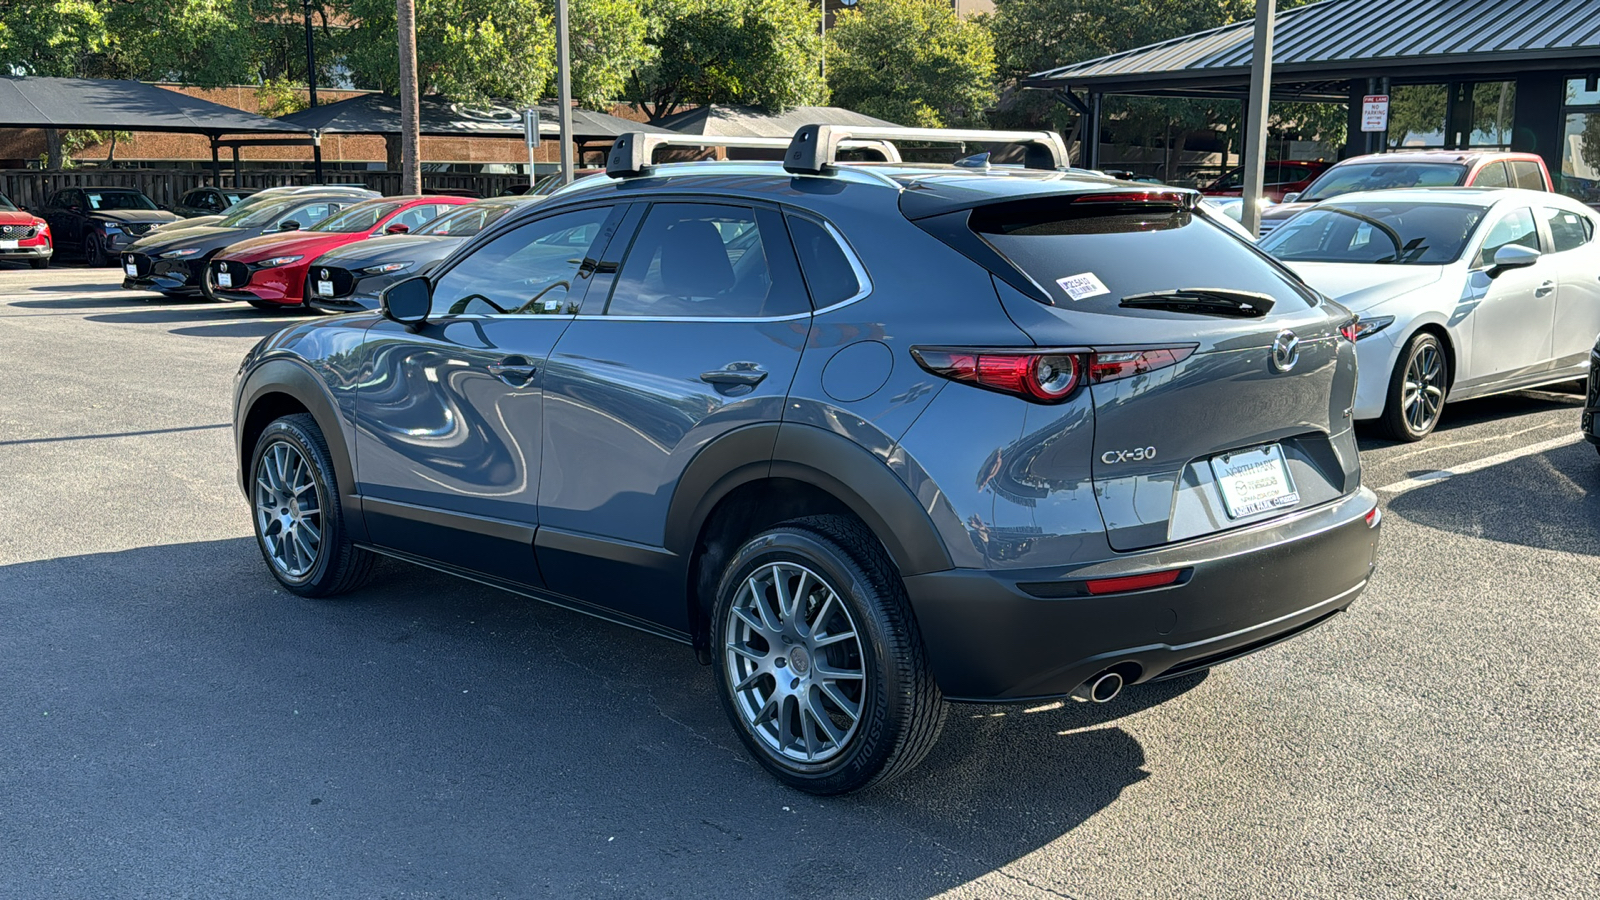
(633, 153)
(814, 149)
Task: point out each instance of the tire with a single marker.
(1411, 415)
(883, 713)
(306, 546)
(40, 263)
(93, 254)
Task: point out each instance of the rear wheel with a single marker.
(819, 664)
(1417, 389)
(294, 504)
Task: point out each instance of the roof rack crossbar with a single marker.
(815, 148)
(633, 152)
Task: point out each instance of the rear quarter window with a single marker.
(1492, 175)
(827, 268)
(1525, 173)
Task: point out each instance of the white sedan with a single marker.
(1462, 292)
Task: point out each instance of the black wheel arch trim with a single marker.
(841, 467)
(295, 379)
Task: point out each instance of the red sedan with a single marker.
(269, 272)
(23, 236)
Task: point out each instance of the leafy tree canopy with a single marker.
(914, 62)
(759, 52)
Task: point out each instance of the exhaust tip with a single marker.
(1101, 688)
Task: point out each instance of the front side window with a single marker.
(417, 216)
(532, 270)
(1384, 233)
(1492, 175)
(1568, 230)
(464, 221)
(313, 213)
(1515, 227)
(1525, 173)
(706, 260)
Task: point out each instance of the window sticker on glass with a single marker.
(1084, 285)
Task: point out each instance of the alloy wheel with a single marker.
(795, 663)
(1422, 391)
(288, 509)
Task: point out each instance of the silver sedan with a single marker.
(1462, 292)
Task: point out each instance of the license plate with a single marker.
(1254, 480)
(131, 269)
(325, 288)
(9, 245)
(224, 279)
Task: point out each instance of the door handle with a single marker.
(747, 374)
(1545, 288)
(514, 370)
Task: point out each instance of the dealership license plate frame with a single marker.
(130, 269)
(324, 289)
(1269, 465)
(10, 244)
(224, 279)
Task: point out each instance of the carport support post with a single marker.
(316, 154)
(216, 163)
(564, 92)
(1091, 133)
(1255, 128)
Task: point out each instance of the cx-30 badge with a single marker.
(1285, 351)
(1137, 454)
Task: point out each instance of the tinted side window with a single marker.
(1568, 230)
(531, 270)
(1515, 227)
(311, 213)
(1525, 174)
(1492, 175)
(416, 216)
(708, 261)
(828, 272)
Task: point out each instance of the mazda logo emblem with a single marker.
(1285, 351)
(324, 275)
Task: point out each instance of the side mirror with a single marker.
(290, 225)
(1512, 256)
(398, 228)
(408, 301)
(1291, 197)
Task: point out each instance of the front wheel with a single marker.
(299, 522)
(40, 263)
(1417, 389)
(92, 252)
(819, 663)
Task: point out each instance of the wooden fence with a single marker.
(31, 187)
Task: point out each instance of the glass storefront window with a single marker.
(1580, 144)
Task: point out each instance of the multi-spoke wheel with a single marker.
(295, 506)
(819, 662)
(1417, 389)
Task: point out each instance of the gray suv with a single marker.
(867, 437)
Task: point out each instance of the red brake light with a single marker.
(1351, 329)
(1153, 197)
(1132, 582)
(1043, 375)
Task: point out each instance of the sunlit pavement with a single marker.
(171, 725)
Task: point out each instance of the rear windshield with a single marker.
(119, 200)
(360, 217)
(468, 220)
(1381, 176)
(1415, 234)
(1089, 256)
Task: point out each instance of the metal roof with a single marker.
(1342, 39)
(753, 121)
(37, 102)
(380, 114)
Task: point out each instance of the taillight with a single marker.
(1351, 329)
(1043, 375)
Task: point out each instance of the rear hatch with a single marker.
(1225, 436)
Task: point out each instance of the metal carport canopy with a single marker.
(1318, 48)
(36, 102)
(380, 114)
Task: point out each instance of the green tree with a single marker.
(759, 52)
(470, 50)
(608, 42)
(61, 38)
(914, 62)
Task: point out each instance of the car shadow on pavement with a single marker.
(1550, 500)
(1469, 413)
(103, 300)
(429, 736)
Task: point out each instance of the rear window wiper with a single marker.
(1203, 301)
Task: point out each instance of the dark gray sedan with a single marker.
(174, 262)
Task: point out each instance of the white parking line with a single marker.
(1428, 478)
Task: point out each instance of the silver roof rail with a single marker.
(633, 153)
(815, 148)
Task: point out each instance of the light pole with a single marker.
(1255, 124)
(311, 58)
(564, 91)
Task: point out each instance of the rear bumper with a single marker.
(1024, 635)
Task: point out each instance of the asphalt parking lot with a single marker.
(173, 726)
